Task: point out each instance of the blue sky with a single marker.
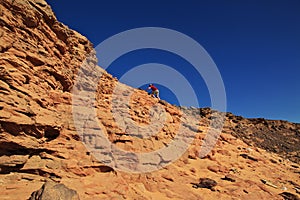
(255, 45)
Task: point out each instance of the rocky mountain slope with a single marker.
(40, 59)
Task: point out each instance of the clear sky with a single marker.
(255, 45)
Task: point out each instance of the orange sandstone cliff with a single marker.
(40, 59)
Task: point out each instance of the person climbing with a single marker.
(155, 91)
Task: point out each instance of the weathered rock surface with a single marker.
(41, 104)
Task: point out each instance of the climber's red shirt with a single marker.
(152, 87)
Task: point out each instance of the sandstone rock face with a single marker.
(41, 101)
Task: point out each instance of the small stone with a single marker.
(230, 178)
(246, 156)
(268, 183)
(205, 183)
(213, 168)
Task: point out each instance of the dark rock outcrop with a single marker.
(54, 191)
(289, 196)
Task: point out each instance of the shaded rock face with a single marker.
(39, 61)
(54, 191)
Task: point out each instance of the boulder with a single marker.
(54, 191)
